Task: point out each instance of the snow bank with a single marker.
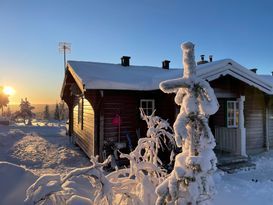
(14, 182)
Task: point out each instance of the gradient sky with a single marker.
(147, 30)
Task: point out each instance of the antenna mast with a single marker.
(64, 48)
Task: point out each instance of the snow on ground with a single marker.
(27, 152)
(41, 149)
(30, 151)
(250, 187)
(14, 182)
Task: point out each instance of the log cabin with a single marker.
(104, 101)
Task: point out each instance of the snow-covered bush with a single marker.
(90, 185)
(145, 166)
(54, 189)
(191, 179)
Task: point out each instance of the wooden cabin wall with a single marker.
(270, 122)
(122, 103)
(254, 119)
(164, 105)
(219, 118)
(84, 128)
(126, 104)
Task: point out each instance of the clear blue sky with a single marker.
(149, 31)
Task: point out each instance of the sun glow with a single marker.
(8, 90)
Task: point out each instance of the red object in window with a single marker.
(116, 121)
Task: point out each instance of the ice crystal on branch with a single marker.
(191, 179)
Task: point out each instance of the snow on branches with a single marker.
(54, 189)
(191, 179)
(90, 185)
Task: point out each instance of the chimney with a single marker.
(125, 60)
(210, 58)
(254, 70)
(166, 64)
(203, 61)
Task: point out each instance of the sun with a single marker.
(8, 90)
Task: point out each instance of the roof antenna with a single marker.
(64, 48)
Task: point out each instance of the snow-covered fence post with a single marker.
(190, 182)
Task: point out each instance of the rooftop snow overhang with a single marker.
(230, 67)
(77, 79)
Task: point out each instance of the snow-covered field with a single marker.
(26, 152)
(42, 149)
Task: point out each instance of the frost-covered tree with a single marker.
(7, 113)
(57, 112)
(46, 113)
(190, 182)
(4, 99)
(62, 111)
(25, 111)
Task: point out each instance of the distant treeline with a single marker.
(38, 110)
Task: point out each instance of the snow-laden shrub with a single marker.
(54, 189)
(191, 179)
(91, 185)
(146, 172)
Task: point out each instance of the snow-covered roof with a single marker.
(267, 78)
(117, 77)
(93, 75)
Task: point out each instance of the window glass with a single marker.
(232, 114)
(148, 106)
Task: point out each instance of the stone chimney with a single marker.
(125, 60)
(166, 64)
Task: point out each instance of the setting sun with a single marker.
(8, 90)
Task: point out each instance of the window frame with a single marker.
(235, 114)
(147, 108)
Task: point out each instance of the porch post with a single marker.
(242, 129)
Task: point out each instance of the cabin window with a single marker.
(80, 113)
(232, 114)
(148, 105)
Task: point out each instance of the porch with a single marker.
(229, 131)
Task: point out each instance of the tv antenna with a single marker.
(64, 48)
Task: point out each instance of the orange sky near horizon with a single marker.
(40, 85)
(35, 94)
(37, 91)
